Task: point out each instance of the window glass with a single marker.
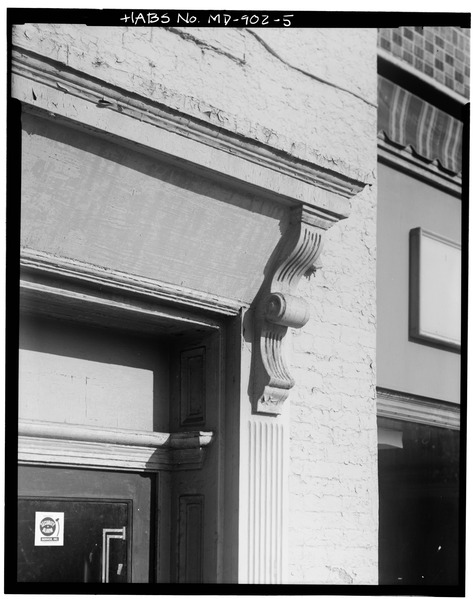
(418, 504)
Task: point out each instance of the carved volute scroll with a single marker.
(278, 306)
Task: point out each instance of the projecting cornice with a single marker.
(414, 408)
(57, 91)
(117, 449)
(406, 160)
(304, 197)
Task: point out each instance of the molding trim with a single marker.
(318, 197)
(192, 388)
(57, 91)
(413, 408)
(279, 308)
(50, 443)
(190, 537)
(65, 271)
(406, 160)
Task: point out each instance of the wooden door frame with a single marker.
(80, 295)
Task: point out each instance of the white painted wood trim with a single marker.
(63, 93)
(80, 306)
(59, 444)
(412, 408)
(73, 432)
(279, 307)
(267, 479)
(67, 270)
(404, 159)
(82, 454)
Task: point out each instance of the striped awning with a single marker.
(406, 120)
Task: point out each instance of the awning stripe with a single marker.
(407, 120)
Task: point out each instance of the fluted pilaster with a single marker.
(266, 509)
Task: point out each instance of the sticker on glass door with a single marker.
(73, 540)
(49, 529)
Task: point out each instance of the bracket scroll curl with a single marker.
(279, 308)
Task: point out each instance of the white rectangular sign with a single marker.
(49, 529)
(435, 289)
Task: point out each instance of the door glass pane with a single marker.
(69, 540)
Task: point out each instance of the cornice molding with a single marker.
(406, 160)
(412, 408)
(317, 197)
(58, 91)
(278, 307)
(80, 446)
(66, 272)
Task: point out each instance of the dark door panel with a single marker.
(108, 525)
(94, 545)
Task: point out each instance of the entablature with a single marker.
(283, 204)
(50, 88)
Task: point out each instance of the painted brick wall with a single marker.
(333, 474)
(333, 494)
(311, 94)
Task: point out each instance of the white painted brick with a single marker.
(341, 542)
(332, 489)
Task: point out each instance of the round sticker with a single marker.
(47, 526)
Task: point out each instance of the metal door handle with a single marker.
(107, 534)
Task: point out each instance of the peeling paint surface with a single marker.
(333, 501)
(310, 94)
(253, 87)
